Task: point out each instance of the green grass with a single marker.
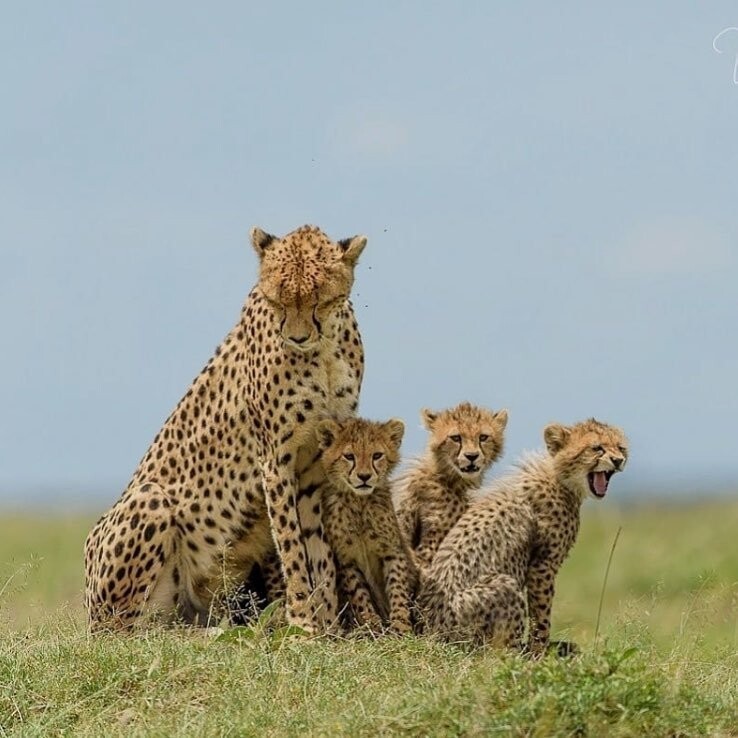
(665, 662)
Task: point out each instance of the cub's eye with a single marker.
(377, 456)
(598, 449)
(456, 438)
(483, 437)
(349, 457)
(622, 449)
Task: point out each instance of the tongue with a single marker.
(599, 481)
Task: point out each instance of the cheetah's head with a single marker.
(586, 455)
(306, 278)
(466, 439)
(358, 455)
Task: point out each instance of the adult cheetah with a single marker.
(511, 542)
(234, 468)
(433, 493)
(374, 571)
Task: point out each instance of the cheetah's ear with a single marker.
(395, 431)
(327, 431)
(352, 248)
(429, 418)
(556, 437)
(261, 241)
(501, 418)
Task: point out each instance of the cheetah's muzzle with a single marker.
(302, 347)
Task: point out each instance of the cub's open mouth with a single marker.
(598, 482)
(471, 469)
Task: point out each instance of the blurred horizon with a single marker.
(623, 493)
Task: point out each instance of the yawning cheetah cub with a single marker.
(361, 527)
(512, 541)
(433, 494)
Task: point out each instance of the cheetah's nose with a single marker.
(472, 457)
(617, 462)
(364, 477)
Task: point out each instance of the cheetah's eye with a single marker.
(349, 457)
(456, 438)
(377, 456)
(334, 302)
(483, 437)
(598, 449)
(623, 450)
(274, 303)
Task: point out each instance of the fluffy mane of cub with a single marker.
(433, 493)
(374, 575)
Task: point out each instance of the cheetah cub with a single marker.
(374, 573)
(508, 547)
(434, 493)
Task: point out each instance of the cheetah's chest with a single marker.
(365, 546)
(301, 386)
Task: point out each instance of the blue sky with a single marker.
(549, 196)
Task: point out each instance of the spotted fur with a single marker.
(234, 469)
(374, 573)
(433, 493)
(505, 551)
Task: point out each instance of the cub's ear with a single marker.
(395, 431)
(327, 432)
(261, 241)
(429, 418)
(352, 248)
(556, 437)
(501, 418)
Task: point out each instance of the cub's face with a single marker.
(306, 278)
(586, 455)
(359, 455)
(466, 439)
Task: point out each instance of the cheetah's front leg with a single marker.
(423, 556)
(359, 598)
(540, 586)
(397, 579)
(407, 523)
(320, 557)
(431, 537)
(273, 578)
(280, 487)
